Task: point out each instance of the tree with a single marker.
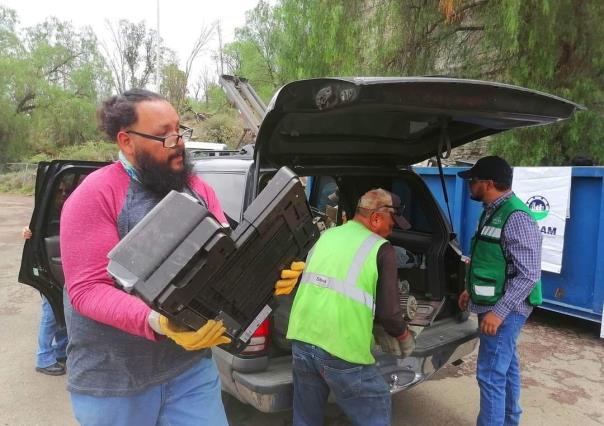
(131, 54)
(205, 35)
(66, 77)
(51, 79)
(254, 52)
(201, 87)
(554, 46)
(12, 125)
(321, 38)
(175, 82)
(9, 42)
(174, 86)
(223, 128)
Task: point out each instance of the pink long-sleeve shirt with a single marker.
(92, 223)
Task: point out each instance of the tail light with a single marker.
(258, 344)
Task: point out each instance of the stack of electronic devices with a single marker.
(185, 265)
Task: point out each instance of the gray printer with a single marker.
(185, 265)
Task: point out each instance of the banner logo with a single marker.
(539, 207)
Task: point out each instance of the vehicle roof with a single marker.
(223, 164)
(205, 145)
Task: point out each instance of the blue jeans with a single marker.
(359, 390)
(52, 339)
(498, 374)
(193, 398)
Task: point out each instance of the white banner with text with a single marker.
(546, 192)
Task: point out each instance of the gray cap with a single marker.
(381, 200)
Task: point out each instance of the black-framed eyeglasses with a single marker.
(169, 141)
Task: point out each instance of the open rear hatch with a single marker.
(379, 121)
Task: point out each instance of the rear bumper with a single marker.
(436, 347)
(271, 389)
(268, 390)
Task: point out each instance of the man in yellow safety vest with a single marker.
(350, 280)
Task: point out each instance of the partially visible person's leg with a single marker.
(512, 388)
(310, 390)
(193, 398)
(360, 391)
(60, 343)
(140, 409)
(46, 361)
(495, 355)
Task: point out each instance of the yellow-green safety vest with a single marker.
(334, 305)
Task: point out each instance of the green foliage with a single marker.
(8, 38)
(132, 56)
(21, 178)
(253, 54)
(216, 101)
(51, 80)
(52, 76)
(559, 51)
(217, 120)
(174, 86)
(19, 182)
(245, 59)
(14, 132)
(553, 46)
(333, 43)
(90, 151)
(66, 120)
(223, 128)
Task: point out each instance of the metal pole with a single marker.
(25, 175)
(220, 49)
(158, 54)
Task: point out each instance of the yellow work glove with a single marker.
(289, 278)
(209, 334)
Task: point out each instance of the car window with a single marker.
(230, 190)
(264, 179)
(414, 211)
(196, 154)
(324, 198)
(63, 186)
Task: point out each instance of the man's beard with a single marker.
(476, 195)
(158, 177)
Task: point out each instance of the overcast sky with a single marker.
(180, 20)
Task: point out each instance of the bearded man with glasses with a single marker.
(127, 364)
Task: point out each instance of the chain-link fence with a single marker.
(18, 177)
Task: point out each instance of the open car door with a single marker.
(41, 265)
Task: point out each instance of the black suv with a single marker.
(343, 137)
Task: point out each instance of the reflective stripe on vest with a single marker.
(491, 231)
(347, 287)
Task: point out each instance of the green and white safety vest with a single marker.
(335, 302)
(488, 266)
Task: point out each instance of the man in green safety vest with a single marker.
(503, 284)
(349, 280)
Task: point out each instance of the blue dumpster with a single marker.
(579, 289)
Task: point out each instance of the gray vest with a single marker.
(105, 361)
